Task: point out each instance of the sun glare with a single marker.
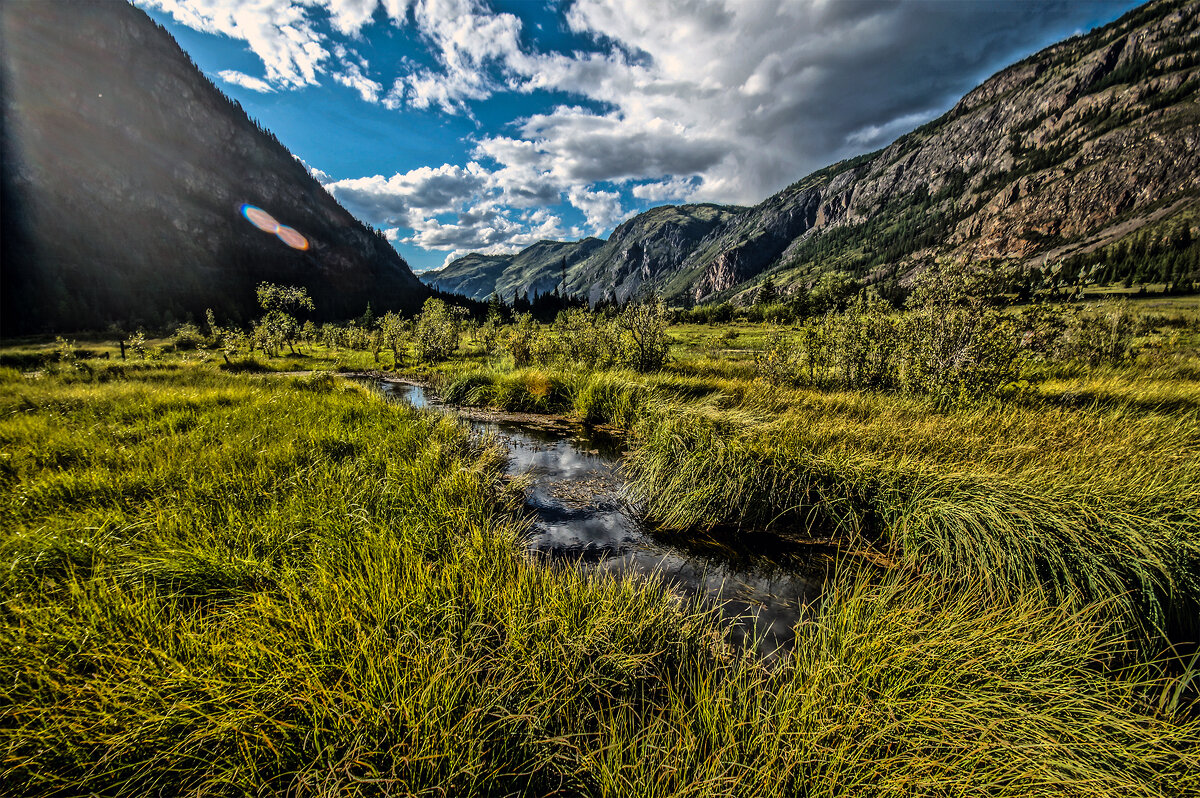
(266, 222)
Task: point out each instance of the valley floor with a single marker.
(219, 583)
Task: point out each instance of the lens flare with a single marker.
(260, 218)
(291, 237)
(266, 222)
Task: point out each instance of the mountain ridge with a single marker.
(125, 172)
(1078, 146)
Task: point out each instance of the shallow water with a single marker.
(581, 513)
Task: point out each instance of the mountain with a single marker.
(1084, 156)
(1071, 149)
(641, 249)
(125, 171)
(646, 249)
(537, 269)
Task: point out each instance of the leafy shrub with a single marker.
(187, 337)
(436, 332)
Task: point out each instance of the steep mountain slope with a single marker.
(536, 269)
(1090, 146)
(641, 249)
(125, 170)
(473, 275)
(1089, 139)
(646, 248)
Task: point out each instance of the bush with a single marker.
(436, 333)
(187, 337)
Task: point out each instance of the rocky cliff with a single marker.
(125, 172)
(647, 249)
(537, 269)
(1089, 142)
(1078, 145)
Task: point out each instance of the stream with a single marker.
(582, 514)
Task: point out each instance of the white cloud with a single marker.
(280, 32)
(352, 75)
(407, 199)
(697, 100)
(872, 136)
(602, 208)
(671, 190)
(232, 76)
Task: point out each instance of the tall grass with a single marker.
(220, 585)
(1075, 506)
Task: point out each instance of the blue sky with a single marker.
(470, 126)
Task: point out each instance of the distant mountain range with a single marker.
(1088, 147)
(125, 172)
(644, 248)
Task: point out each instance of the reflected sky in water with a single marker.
(581, 514)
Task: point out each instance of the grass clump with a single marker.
(1073, 505)
(218, 584)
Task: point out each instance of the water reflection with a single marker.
(581, 514)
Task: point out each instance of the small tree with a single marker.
(768, 294)
(395, 331)
(278, 326)
(436, 332)
(643, 327)
(136, 343)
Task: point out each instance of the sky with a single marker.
(463, 126)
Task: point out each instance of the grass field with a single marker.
(223, 583)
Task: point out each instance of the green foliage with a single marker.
(437, 330)
(767, 294)
(136, 344)
(587, 340)
(333, 601)
(643, 330)
(395, 332)
(278, 326)
(187, 337)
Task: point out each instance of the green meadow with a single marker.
(221, 579)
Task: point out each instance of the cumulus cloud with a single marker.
(602, 208)
(406, 199)
(675, 100)
(447, 208)
(676, 189)
(235, 78)
(280, 32)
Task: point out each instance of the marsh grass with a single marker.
(222, 584)
(1092, 499)
(1071, 505)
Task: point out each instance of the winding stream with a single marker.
(581, 514)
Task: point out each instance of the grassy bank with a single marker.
(1086, 488)
(224, 584)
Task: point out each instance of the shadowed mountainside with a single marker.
(640, 250)
(124, 172)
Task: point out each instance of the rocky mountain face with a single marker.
(1074, 147)
(1089, 142)
(537, 269)
(647, 249)
(125, 173)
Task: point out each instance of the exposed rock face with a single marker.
(1093, 131)
(537, 269)
(473, 275)
(124, 172)
(1089, 139)
(648, 248)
